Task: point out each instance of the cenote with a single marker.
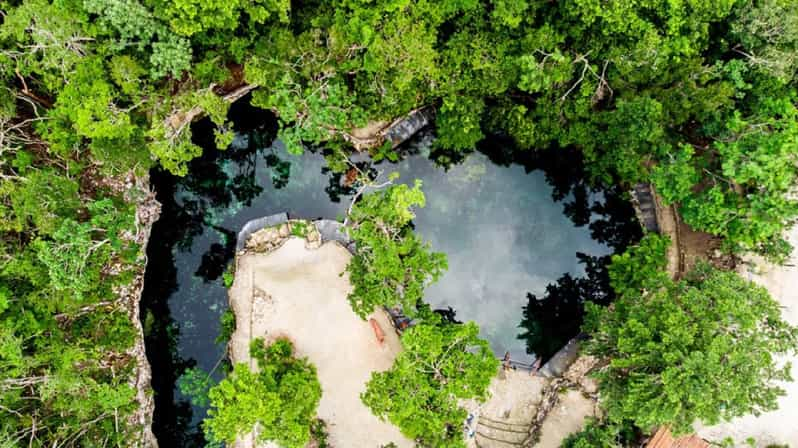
(527, 241)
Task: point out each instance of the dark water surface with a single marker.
(527, 242)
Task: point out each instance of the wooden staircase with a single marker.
(500, 433)
(646, 209)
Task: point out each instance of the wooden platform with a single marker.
(664, 439)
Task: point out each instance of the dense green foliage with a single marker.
(65, 334)
(440, 363)
(640, 266)
(195, 383)
(698, 97)
(279, 400)
(702, 348)
(83, 83)
(594, 435)
(392, 265)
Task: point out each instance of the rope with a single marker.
(481, 417)
(504, 429)
(509, 442)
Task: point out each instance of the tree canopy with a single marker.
(391, 265)
(440, 363)
(278, 401)
(697, 97)
(595, 434)
(704, 348)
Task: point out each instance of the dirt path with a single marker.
(688, 246)
(298, 292)
(668, 223)
(504, 420)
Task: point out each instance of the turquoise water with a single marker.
(504, 234)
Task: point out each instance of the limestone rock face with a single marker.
(578, 373)
(268, 239)
(148, 209)
(284, 231)
(313, 239)
(270, 232)
(257, 225)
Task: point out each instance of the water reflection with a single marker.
(528, 241)
(511, 224)
(552, 318)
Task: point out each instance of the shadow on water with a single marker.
(551, 319)
(511, 222)
(188, 208)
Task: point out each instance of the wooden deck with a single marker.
(664, 439)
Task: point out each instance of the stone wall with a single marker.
(136, 190)
(272, 229)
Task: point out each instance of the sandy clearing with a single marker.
(503, 421)
(778, 426)
(298, 292)
(515, 397)
(566, 418)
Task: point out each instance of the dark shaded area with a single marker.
(206, 187)
(171, 419)
(215, 260)
(448, 315)
(550, 321)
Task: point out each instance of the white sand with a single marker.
(299, 293)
